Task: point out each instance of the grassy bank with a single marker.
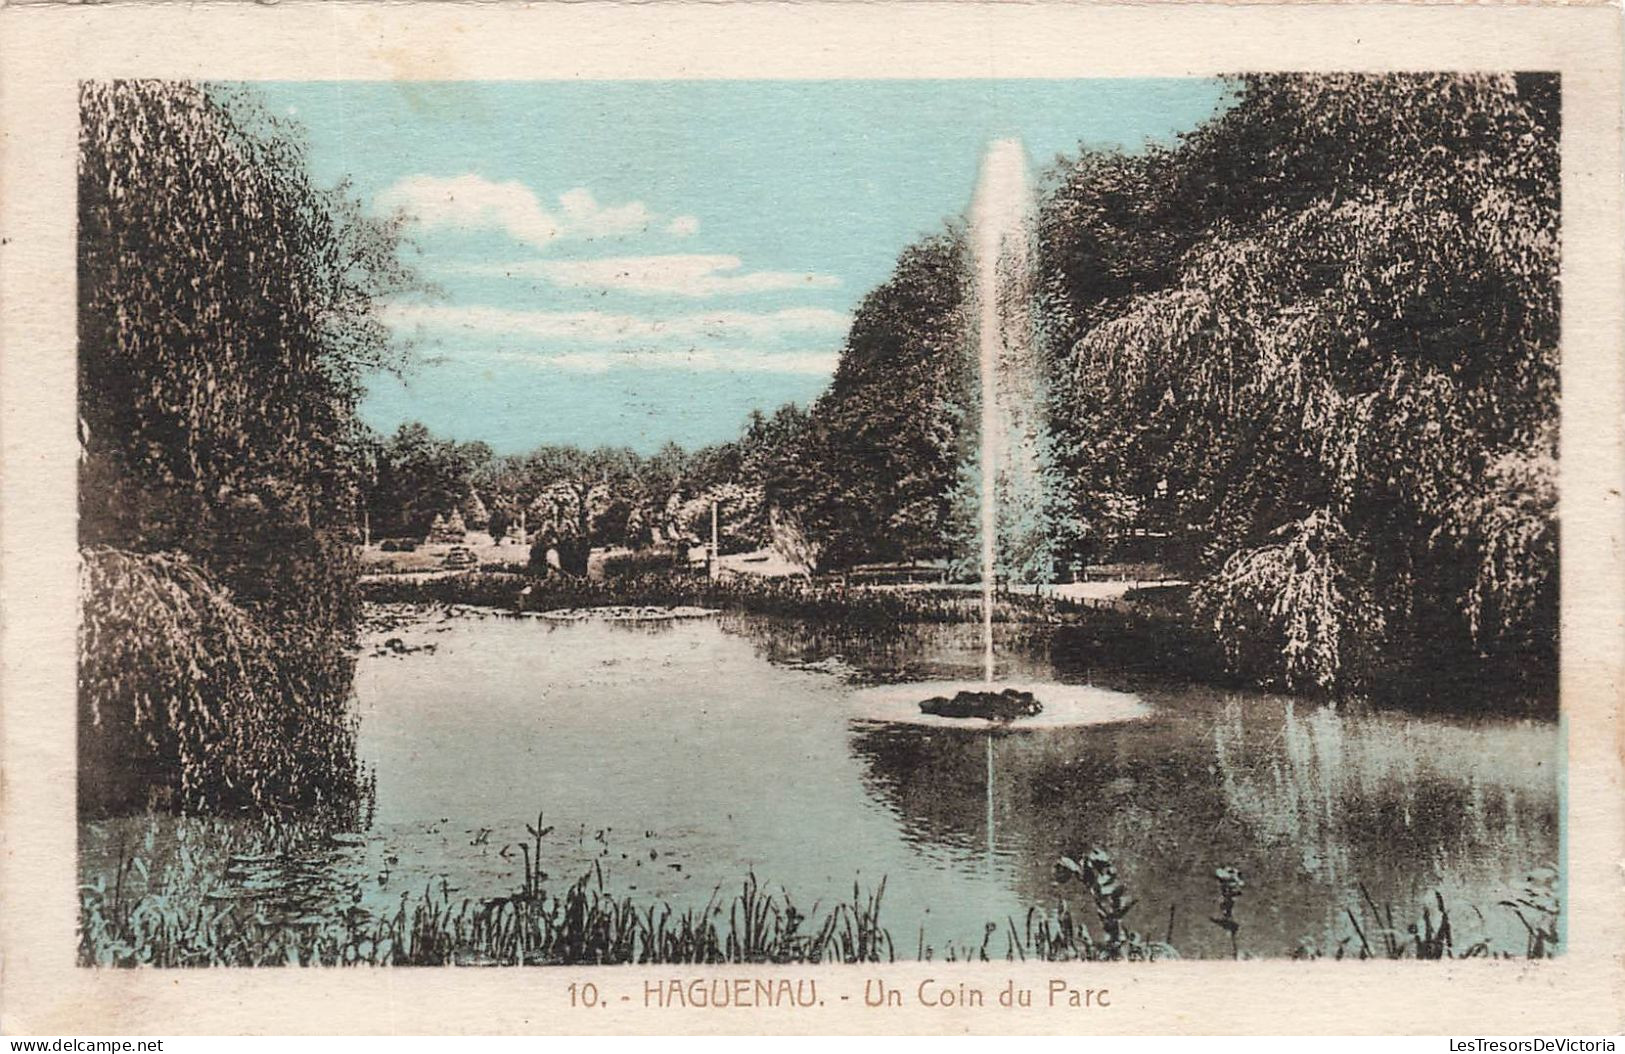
(202, 897)
(790, 597)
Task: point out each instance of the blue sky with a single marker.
(643, 261)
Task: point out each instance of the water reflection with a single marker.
(1311, 804)
(894, 653)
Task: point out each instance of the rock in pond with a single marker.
(989, 705)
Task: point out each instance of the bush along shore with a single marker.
(820, 600)
(215, 893)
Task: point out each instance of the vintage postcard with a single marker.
(884, 518)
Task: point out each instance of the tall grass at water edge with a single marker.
(212, 893)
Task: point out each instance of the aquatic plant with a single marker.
(1230, 886)
(209, 892)
(1097, 872)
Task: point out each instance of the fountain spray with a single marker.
(1000, 220)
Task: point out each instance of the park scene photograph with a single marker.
(638, 522)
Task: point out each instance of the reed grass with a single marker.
(162, 906)
(585, 924)
(167, 906)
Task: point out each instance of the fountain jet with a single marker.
(1012, 485)
(1001, 221)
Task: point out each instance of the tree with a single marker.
(873, 469)
(226, 311)
(474, 511)
(1347, 382)
(500, 523)
(419, 476)
(584, 499)
(741, 515)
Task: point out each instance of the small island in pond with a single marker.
(1007, 705)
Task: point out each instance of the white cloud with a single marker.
(676, 274)
(683, 226)
(698, 360)
(583, 215)
(472, 202)
(601, 327)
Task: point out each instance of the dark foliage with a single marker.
(873, 477)
(224, 319)
(1336, 388)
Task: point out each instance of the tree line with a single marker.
(573, 500)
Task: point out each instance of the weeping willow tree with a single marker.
(194, 698)
(1322, 340)
(225, 316)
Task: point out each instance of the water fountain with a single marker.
(1001, 225)
(1001, 247)
(1000, 222)
(1011, 423)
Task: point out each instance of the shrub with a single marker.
(500, 522)
(186, 699)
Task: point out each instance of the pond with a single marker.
(681, 756)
